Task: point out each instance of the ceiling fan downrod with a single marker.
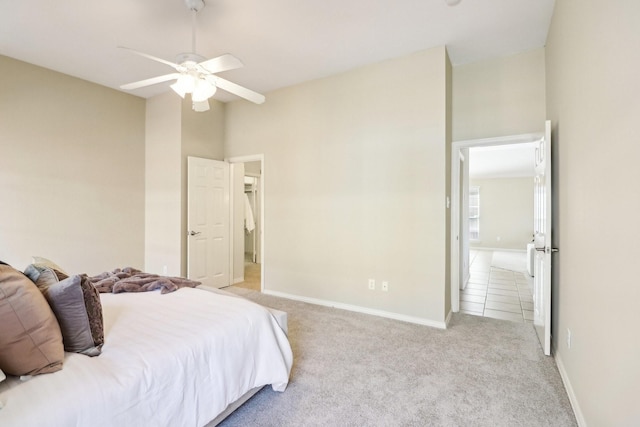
(194, 6)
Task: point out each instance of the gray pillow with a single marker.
(76, 304)
(43, 275)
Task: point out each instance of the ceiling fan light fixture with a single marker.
(183, 85)
(202, 91)
(200, 106)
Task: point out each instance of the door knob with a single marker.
(194, 233)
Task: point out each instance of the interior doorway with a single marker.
(463, 254)
(248, 222)
(252, 226)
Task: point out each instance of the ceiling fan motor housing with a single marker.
(181, 58)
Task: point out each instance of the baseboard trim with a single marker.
(238, 280)
(567, 386)
(448, 319)
(359, 309)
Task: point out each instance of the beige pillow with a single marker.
(48, 263)
(30, 337)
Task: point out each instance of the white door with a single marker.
(542, 241)
(208, 222)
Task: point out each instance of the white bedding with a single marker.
(169, 360)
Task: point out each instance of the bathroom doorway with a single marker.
(474, 238)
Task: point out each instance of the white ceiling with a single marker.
(502, 161)
(280, 42)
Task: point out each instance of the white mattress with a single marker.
(169, 360)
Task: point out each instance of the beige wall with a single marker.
(163, 185)
(355, 184)
(173, 133)
(499, 97)
(71, 171)
(593, 99)
(506, 211)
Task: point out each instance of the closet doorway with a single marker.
(248, 217)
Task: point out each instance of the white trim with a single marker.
(573, 399)
(238, 280)
(254, 158)
(232, 222)
(476, 248)
(455, 229)
(359, 309)
(448, 318)
(501, 140)
(455, 199)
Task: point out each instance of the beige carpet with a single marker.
(352, 369)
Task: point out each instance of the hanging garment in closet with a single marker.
(249, 223)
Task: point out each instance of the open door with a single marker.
(208, 222)
(542, 241)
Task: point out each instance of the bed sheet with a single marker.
(169, 360)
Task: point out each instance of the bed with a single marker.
(184, 358)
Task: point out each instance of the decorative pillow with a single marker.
(43, 275)
(2, 376)
(48, 263)
(30, 338)
(76, 304)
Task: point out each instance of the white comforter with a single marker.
(169, 360)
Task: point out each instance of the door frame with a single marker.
(245, 159)
(456, 146)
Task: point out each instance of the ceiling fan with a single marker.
(195, 74)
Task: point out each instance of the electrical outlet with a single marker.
(164, 270)
(568, 338)
(385, 286)
(372, 284)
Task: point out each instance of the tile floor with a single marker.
(495, 292)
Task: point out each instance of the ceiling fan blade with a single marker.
(242, 92)
(221, 63)
(153, 58)
(151, 81)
